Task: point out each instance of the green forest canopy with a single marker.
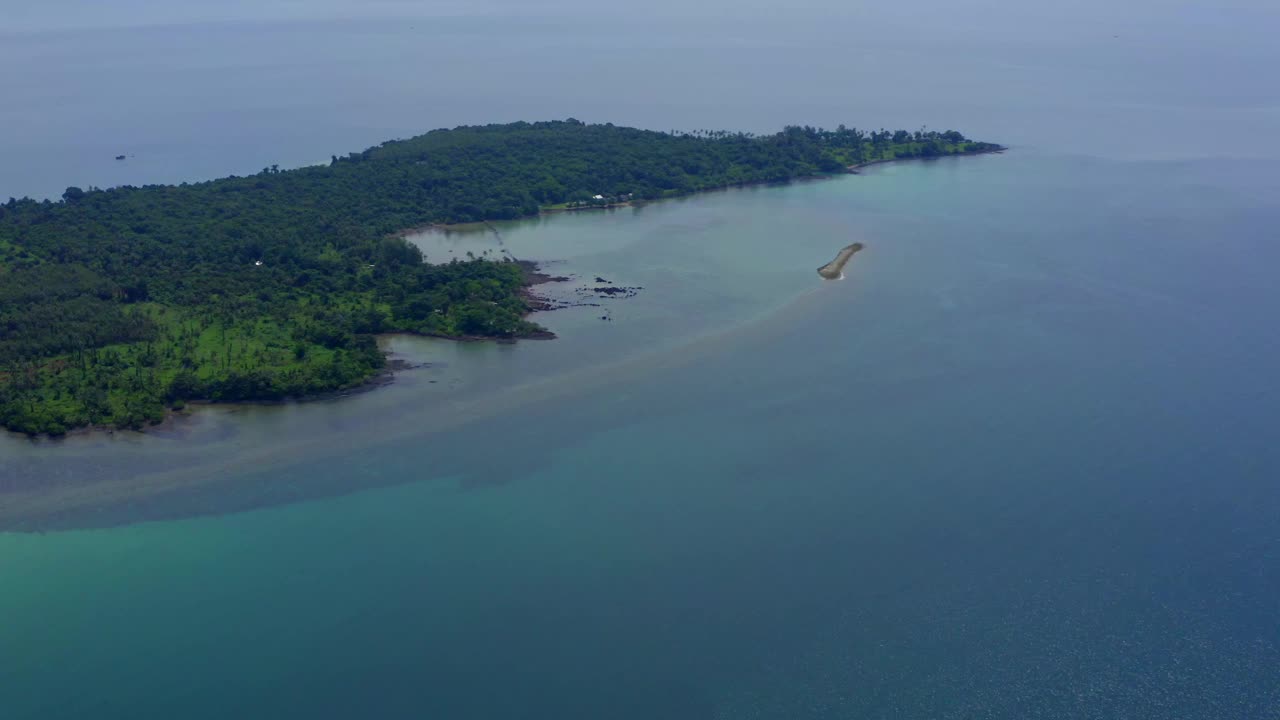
(117, 304)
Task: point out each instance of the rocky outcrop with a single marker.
(834, 270)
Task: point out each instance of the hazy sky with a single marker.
(195, 89)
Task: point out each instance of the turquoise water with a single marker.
(1020, 463)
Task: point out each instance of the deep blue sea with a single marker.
(1020, 463)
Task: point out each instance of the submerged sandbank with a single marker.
(834, 270)
(250, 478)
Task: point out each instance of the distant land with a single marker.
(118, 306)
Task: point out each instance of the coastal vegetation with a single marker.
(119, 304)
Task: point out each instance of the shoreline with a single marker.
(487, 225)
(533, 277)
(856, 168)
(384, 377)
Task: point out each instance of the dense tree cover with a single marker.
(116, 304)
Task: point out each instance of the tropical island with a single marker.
(120, 305)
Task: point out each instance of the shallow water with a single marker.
(1019, 463)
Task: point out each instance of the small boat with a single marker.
(119, 157)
